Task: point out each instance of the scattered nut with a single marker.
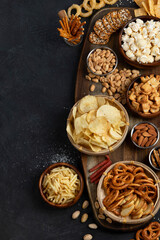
(96, 205)
(85, 204)
(92, 226)
(116, 83)
(92, 88)
(101, 216)
(75, 214)
(109, 220)
(87, 237)
(84, 217)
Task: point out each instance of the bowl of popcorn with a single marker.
(143, 96)
(139, 42)
(102, 61)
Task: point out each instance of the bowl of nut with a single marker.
(97, 125)
(143, 96)
(129, 192)
(102, 61)
(154, 158)
(61, 185)
(139, 42)
(144, 135)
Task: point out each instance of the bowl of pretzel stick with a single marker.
(129, 192)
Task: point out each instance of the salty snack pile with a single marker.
(141, 41)
(129, 191)
(72, 29)
(155, 158)
(96, 124)
(144, 135)
(147, 7)
(87, 7)
(109, 24)
(61, 185)
(151, 232)
(101, 61)
(145, 95)
(114, 84)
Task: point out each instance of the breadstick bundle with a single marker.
(72, 29)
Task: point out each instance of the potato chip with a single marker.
(101, 144)
(80, 123)
(139, 2)
(101, 101)
(146, 7)
(74, 111)
(114, 134)
(111, 113)
(99, 126)
(109, 140)
(83, 142)
(91, 115)
(87, 104)
(69, 129)
(151, 7)
(139, 12)
(95, 148)
(157, 10)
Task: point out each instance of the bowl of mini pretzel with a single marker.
(128, 192)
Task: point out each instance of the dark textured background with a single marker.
(37, 82)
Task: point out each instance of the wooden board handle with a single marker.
(62, 14)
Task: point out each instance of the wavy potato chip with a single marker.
(80, 123)
(109, 140)
(111, 113)
(91, 115)
(99, 126)
(87, 104)
(101, 101)
(114, 134)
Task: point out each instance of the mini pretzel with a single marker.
(138, 170)
(122, 178)
(110, 198)
(152, 231)
(139, 235)
(120, 168)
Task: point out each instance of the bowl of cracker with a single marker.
(128, 192)
(97, 125)
(61, 185)
(139, 42)
(143, 96)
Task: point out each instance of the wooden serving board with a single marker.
(127, 151)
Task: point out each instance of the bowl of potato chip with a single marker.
(129, 192)
(97, 125)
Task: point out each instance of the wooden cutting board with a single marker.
(127, 151)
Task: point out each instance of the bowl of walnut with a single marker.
(102, 61)
(143, 96)
(139, 42)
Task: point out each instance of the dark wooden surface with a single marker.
(127, 151)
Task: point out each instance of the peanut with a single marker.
(84, 217)
(75, 214)
(87, 237)
(85, 204)
(92, 88)
(93, 226)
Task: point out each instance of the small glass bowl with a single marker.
(106, 48)
(150, 160)
(132, 131)
(70, 43)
